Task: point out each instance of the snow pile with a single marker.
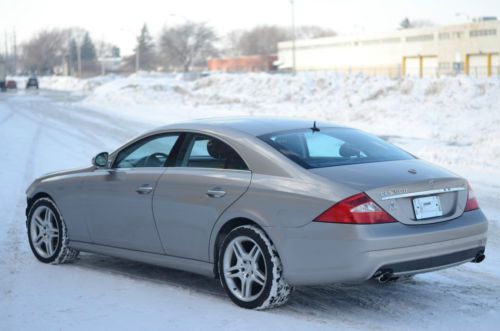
(67, 83)
(141, 88)
(459, 116)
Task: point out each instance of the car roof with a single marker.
(255, 126)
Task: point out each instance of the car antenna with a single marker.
(315, 128)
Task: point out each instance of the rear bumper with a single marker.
(322, 253)
(432, 263)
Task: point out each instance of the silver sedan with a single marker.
(262, 204)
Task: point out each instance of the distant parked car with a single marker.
(11, 84)
(32, 83)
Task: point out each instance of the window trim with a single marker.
(173, 155)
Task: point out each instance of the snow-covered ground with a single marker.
(453, 122)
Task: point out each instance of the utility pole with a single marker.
(292, 7)
(15, 51)
(6, 46)
(79, 59)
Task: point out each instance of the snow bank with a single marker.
(458, 116)
(66, 83)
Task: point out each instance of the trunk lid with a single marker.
(394, 186)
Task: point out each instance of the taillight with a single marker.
(471, 200)
(357, 209)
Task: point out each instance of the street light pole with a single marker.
(292, 7)
(137, 51)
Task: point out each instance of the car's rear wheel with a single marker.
(47, 233)
(250, 269)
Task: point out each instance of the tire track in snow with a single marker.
(17, 232)
(6, 118)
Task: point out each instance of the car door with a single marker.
(209, 176)
(120, 198)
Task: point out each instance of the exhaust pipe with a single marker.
(384, 277)
(479, 258)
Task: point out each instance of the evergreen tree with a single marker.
(88, 49)
(145, 41)
(73, 52)
(115, 51)
(145, 45)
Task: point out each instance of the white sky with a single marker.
(119, 22)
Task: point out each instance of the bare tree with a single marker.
(230, 43)
(186, 44)
(262, 40)
(44, 51)
(313, 31)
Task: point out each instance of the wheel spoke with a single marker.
(259, 277)
(38, 240)
(50, 247)
(246, 287)
(48, 216)
(229, 272)
(238, 250)
(235, 275)
(53, 233)
(254, 253)
(38, 221)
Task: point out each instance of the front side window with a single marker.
(208, 152)
(333, 147)
(152, 152)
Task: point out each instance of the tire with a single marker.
(47, 233)
(250, 269)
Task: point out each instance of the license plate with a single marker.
(427, 207)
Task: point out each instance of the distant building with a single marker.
(472, 48)
(243, 63)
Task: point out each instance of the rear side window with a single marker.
(333, 147)
(208, 152)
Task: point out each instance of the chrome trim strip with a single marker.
(414, 194)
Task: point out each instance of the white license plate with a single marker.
(427, 207)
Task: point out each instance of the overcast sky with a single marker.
(118, 21)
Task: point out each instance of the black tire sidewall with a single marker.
(45, 203)
(246, 231)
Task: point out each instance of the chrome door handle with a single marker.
(144, 189)
(216, 193)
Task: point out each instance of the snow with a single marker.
(450, 121)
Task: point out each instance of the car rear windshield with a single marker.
(330, 147)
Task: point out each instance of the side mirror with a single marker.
(101, 160)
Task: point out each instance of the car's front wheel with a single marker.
(47, 233)
(250, 269)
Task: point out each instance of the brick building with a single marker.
(243, 64)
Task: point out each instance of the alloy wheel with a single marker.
(244, 268)
(44, 231)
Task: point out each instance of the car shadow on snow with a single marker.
(439, 294)
(150, 273)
